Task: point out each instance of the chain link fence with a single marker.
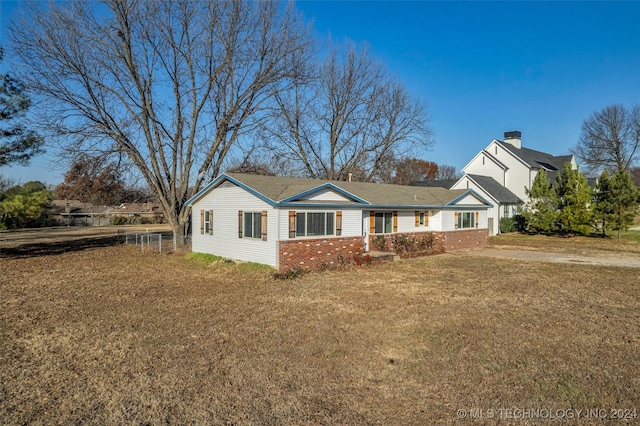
(159, 242)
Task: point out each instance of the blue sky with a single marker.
(484, 67)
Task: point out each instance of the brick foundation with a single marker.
(317, 253)
(311, 254)
(465, 239)
(444, 241)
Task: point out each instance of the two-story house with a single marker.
(501, 172)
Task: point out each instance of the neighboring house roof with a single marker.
(61, 206)
(493, 188)
(283, 191)
(135, 208)
(440, 183)
(537, 159)
(74, 207)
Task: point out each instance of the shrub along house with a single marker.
(305, 223)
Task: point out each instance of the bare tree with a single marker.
(407, 170)
(610, 139)
(347, 118)
(446, 171)
(174, 85)
(5, 184)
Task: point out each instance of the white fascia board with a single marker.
(486, 153)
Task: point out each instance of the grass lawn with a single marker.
(114, 336)
(628, 245)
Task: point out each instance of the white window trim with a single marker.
(244, 229)
(461, 220)
(310, 237)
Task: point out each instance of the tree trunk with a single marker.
(180, 227)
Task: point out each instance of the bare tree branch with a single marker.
(610, 139)
(347, 119)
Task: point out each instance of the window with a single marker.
(465, 220)
(206, 222)
(422, 218)
(252, 225)
(313, 224)
(384, 223)
(506, 211)
(208, 215)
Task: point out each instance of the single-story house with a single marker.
(74, 212)
(137, 213)
(306, 223)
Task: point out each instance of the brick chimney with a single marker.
(513, 138)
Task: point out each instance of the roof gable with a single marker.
(486, 154)
(327, 192)
(469, 197)
(224, 179)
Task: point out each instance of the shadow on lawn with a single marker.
(58, 247)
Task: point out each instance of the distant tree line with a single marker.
(89, 180)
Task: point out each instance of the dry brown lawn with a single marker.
(110, 335)
(590, 246)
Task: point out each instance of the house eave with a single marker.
(384, 206)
